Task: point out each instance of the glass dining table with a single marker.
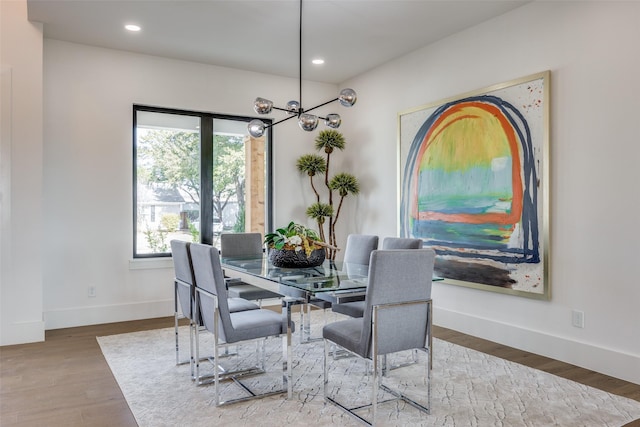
(332, 281)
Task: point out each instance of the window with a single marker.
(190, 178)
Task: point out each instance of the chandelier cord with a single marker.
(300, 61)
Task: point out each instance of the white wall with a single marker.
(592, 52)
(20, 176)
(88, 98)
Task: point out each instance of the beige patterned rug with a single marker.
(469, 389)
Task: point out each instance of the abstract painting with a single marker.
(474, 185)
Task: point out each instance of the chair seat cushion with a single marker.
(241, 304)
(353, 309)
(299, 293)
(320, 304)
(290, 291)
(250, 292)
(252, 324)
(346, 333)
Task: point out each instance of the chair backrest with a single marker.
(240, 244)
(183, 275)
(398, 276)
(359, 247)
(209, 276)
(401, 243)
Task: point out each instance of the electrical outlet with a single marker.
(577, 318)
(91, 292)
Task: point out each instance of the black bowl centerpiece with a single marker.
(295, 246)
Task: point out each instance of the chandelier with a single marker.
(306, 121)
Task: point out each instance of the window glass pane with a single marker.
(168, 180)
(239, 180)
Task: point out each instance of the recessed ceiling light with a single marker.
(317, 61)
(132, 27)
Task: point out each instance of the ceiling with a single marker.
(353, 36)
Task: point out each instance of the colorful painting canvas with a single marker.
(474, 185)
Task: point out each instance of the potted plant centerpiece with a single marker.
(295, 246)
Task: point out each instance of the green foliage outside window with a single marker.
(172, 159)
(157, 240)
(240, 225)
(170, 222)
(195, 233)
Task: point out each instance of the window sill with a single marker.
(150, 263)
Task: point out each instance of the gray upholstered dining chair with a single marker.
(397, 317)
(356, 308)
(359, 247)
(244, 245)
(184, 294)
(357, 251)
(234, 328)
(401, 243)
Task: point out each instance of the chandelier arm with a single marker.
(321, 105)
(279, 121)
(281, 109)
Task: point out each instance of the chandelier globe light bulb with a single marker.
(256, 128)
(308, 122)
(347, 97)
(293, 107)
(333, 121)
(262, 106)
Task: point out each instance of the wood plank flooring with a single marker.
(65, 381)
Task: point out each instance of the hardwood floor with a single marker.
(65, 381)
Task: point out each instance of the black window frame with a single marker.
(206, 171)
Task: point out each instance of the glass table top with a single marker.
(330, 276)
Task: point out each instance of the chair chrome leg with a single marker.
(175, 317)
(216, 338)
(429, 383)
(196, 334)
(176, 327)
(374, 393)
(325, 372)
(384, 365)
(192, 329)
(305, 323)
(234, 376)
(286, 345)
(260, 353)
(196, 359)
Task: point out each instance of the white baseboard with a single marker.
(97, 314)
(21, 332)
(606, 361)
(93, 315)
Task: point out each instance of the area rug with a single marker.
(469, 388)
